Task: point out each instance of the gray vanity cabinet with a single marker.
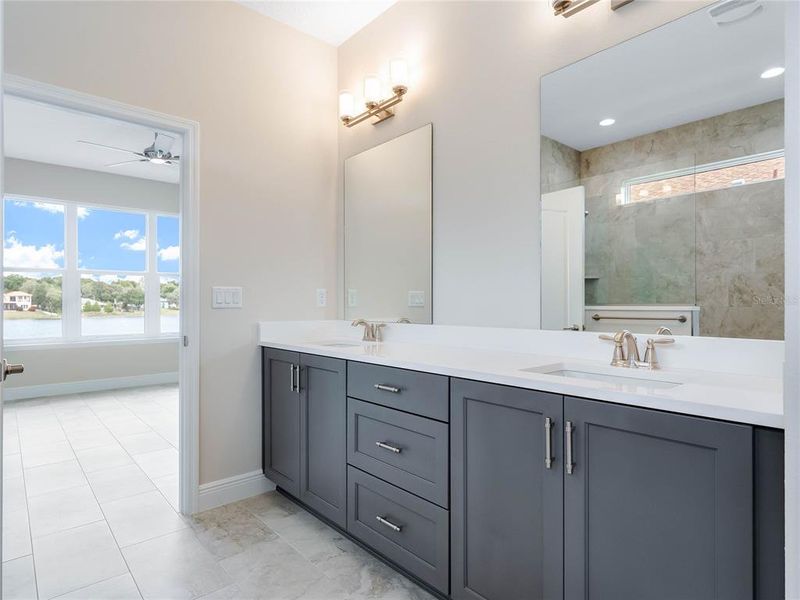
(281, 414)
(305, 424)
(323, 436)
(656, 506)
(506, 500)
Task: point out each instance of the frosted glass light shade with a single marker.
(398, 72)
(347, 104)
(372, 88)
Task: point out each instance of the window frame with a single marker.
(625, 195)
(71, 309)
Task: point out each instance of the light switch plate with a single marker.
(322, 297)
(352, 297)
(416, 298)
(226, 297)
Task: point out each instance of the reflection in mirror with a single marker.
(662, 182)
(387, 230)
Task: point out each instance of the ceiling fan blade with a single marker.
(162, 141)
(125, 162)
(110, 147)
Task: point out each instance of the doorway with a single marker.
(100, 304)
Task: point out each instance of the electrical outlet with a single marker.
(352, 297)
(416, 298)
(322, 297)
(226, 297)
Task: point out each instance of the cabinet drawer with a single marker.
(404, 528)
(408, 451)
(411, 391)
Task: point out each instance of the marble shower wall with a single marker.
(721, 250)
(561, 166)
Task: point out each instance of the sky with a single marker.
(107, 239)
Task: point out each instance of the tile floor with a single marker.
(89, 506)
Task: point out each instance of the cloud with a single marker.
(139, 245)
(169, 253)
(131, 234)
(37, 257)
(83, 212)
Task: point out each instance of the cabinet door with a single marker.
(281, 428)
(658, 506)
(323, 436)
(506, 504)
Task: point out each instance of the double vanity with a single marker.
(482, 467)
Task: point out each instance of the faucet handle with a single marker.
(376, 329)
(650, 360)
(618, 358)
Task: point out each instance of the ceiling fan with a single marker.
(156, 153)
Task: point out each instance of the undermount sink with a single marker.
(339, 344)
(630, 380)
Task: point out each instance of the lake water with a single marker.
(18, 329)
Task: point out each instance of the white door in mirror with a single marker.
(226, 297)
(563, 258)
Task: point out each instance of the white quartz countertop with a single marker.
(742, 398)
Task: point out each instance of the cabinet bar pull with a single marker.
(386, 446)
(291, 377)
(568, 429)
(389, 524)
(297, 378)
(387, 388)
(548, 443)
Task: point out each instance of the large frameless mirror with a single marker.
(662, 191)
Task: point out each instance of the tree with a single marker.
(13, 283)
(91, 307)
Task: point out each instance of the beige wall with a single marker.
(30, 178)
(265, 98)
(476, 69)
(72, 364)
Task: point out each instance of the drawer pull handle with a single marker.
(569, 428)
(548, 443)
(389, 524)
(387, 388)
(386, 446)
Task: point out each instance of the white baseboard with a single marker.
(232, 489)
(89, 385)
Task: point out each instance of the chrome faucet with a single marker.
(629, 356)
(372, 331)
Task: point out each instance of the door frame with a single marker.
(189, 191)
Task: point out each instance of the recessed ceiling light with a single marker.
(607, 122)
(772, 72)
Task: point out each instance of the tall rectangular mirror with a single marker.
(388, 230)
(662, 191)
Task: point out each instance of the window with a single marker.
(746, 170)
(74, 272)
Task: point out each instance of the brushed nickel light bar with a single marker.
(380, 110)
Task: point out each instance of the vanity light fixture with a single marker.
(608, 122)
(375, 101)
(567, 8)
(772, 72)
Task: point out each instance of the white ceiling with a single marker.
(332, 22)
(687, 70)
(48, 134)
